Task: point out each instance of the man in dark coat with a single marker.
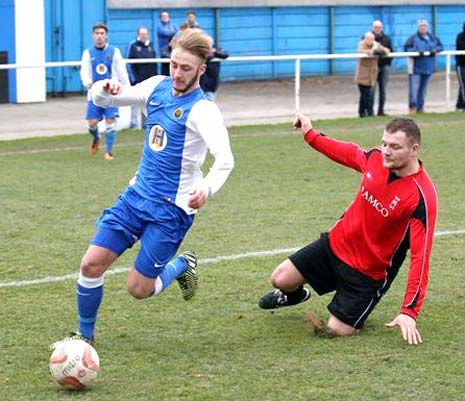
(460, 66)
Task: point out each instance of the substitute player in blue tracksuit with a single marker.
(100, 62)
(159, 205)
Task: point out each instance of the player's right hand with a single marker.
(303, 122)
(112, 87)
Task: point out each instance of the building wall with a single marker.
(22, 41)
(249, 31)
(68, 31)
(7, 44)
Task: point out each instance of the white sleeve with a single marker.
(207, 120)
(136, 95)
(86, 68)
(118, 67)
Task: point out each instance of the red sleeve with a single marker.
(421, 241)
(345, 153)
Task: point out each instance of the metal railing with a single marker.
(291, 57)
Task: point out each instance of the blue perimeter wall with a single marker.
(7, 42)
(258, 31)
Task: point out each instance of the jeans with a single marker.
(365, 105)
(135, 113)
(461, 78)
(382, 81)
(417, 84)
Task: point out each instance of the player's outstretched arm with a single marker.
(408, 328)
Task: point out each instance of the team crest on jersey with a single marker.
(158, 138)
(101, 69)
(178, 113)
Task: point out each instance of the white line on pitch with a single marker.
(206, 261)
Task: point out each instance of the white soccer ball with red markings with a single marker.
(74, 364)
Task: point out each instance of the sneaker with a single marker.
(108, 156)
(188, 281)
(72, 336)
(277, 299)
(94, 146)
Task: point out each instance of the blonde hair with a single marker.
(195, 41)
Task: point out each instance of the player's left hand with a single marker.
(408, 328)
(198, 198)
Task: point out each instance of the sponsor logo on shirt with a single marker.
(101, 69)
(158, 138)
(178, 113)
(375, 203)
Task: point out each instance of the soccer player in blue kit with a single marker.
(159, 205)
(100, 62)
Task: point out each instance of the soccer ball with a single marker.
(74, 364)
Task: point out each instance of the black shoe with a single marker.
(382, 114)
(188, 281)
(277, 299)
(73, 336)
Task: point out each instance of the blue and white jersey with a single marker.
(98, 64)
(180, 132)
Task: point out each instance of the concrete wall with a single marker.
(30, 50)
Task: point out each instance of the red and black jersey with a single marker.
(388, 216)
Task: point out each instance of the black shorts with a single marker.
(356, 294)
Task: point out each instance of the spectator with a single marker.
(100, 62)
(192, 20)
(210, 80)
(165, 31)
(421, 67)
(166, 51)
(366, 73)
(384, 64)
(460, 65)
(137, 49)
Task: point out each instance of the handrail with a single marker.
(287, 57)
(297, 58)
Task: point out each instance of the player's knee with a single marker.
(111, 125)
(286, 277)
(277, 279)
(337, 328)
(90, 267)
(137, 287)
(137, 291)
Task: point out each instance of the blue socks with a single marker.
(171, 272)
(89, 296)
(110, 136)
(90, 293)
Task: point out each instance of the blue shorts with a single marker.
(98, 113)
(161, 226)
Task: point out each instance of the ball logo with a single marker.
(101, 69)
(178, 113)
(158, 138)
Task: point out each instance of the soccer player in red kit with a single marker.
(394, 210)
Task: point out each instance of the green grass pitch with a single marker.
(221, 346)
